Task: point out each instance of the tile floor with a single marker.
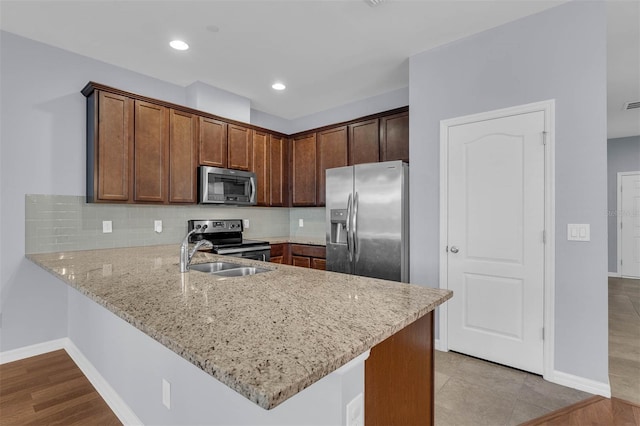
(624, 339)
(470, 391)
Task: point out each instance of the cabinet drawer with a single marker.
(310, 251)
(319, 264)
(304, 262)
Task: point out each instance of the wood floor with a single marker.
(596, 410)
(50, 389)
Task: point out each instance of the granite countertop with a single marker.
(313, 241)
(267, 336)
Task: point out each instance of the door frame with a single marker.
(548, 107)
(619, 222)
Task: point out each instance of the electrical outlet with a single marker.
(107, 270)
(355, 411)
(107, 227)
(245, 223)
(157, 226)
(301, 223)
(166, 394)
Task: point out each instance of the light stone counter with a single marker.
(266, 336)
(314, 241)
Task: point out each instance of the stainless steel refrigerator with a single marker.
(367, 222)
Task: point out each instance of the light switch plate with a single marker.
(107, 227)
(157, 226)
(301, 223)
(579, 232)
(245, 223)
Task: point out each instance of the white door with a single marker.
(495, 238)
(630, 225)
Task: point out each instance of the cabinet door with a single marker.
(332, 152)
(182, 157)
(278, 171)
(260, 165)
(213, 142)
(364, 146)
(303, 169)
(150, 152)
(113, 173)
(239, 147)
(394, 137)
(280, 253)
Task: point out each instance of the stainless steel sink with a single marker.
(227, 269)
(241, 272)
(213, 267)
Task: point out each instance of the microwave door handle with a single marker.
(252, 184)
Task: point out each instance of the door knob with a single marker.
(454, 249)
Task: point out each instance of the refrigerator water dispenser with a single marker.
(339, 226)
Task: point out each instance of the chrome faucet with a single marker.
(186, 255)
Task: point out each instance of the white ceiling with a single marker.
(328, 53)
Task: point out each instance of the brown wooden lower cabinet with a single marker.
(280, 253)
(398, 377)
(305, 256)
(304, 262)
(318, 263)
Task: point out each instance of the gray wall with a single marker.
(42, 151)
(623, 155)
(557, 54)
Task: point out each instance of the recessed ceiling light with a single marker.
(179, 45)
(278, 86)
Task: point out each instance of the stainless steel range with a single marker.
(226, 237)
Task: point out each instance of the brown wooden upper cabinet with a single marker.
(364, 142)
(151, 152)
(394, 137)
(182, 157)
(260, 165)
(239, 147)
(212, 142)
(332, 152)
(148, 150)
(303, 170)
(109, 147)
(279, 166)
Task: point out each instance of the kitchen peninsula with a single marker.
(276, 338)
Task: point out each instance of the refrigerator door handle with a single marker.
(348, 228)
(355, 227)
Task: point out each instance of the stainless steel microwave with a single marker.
(226, 186)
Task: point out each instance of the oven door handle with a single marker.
(241, 249)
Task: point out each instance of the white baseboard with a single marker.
(110, 396)
(439, 346)
(614, 275)
(33, 350)
(580, 383)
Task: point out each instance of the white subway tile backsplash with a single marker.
(64, 222)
